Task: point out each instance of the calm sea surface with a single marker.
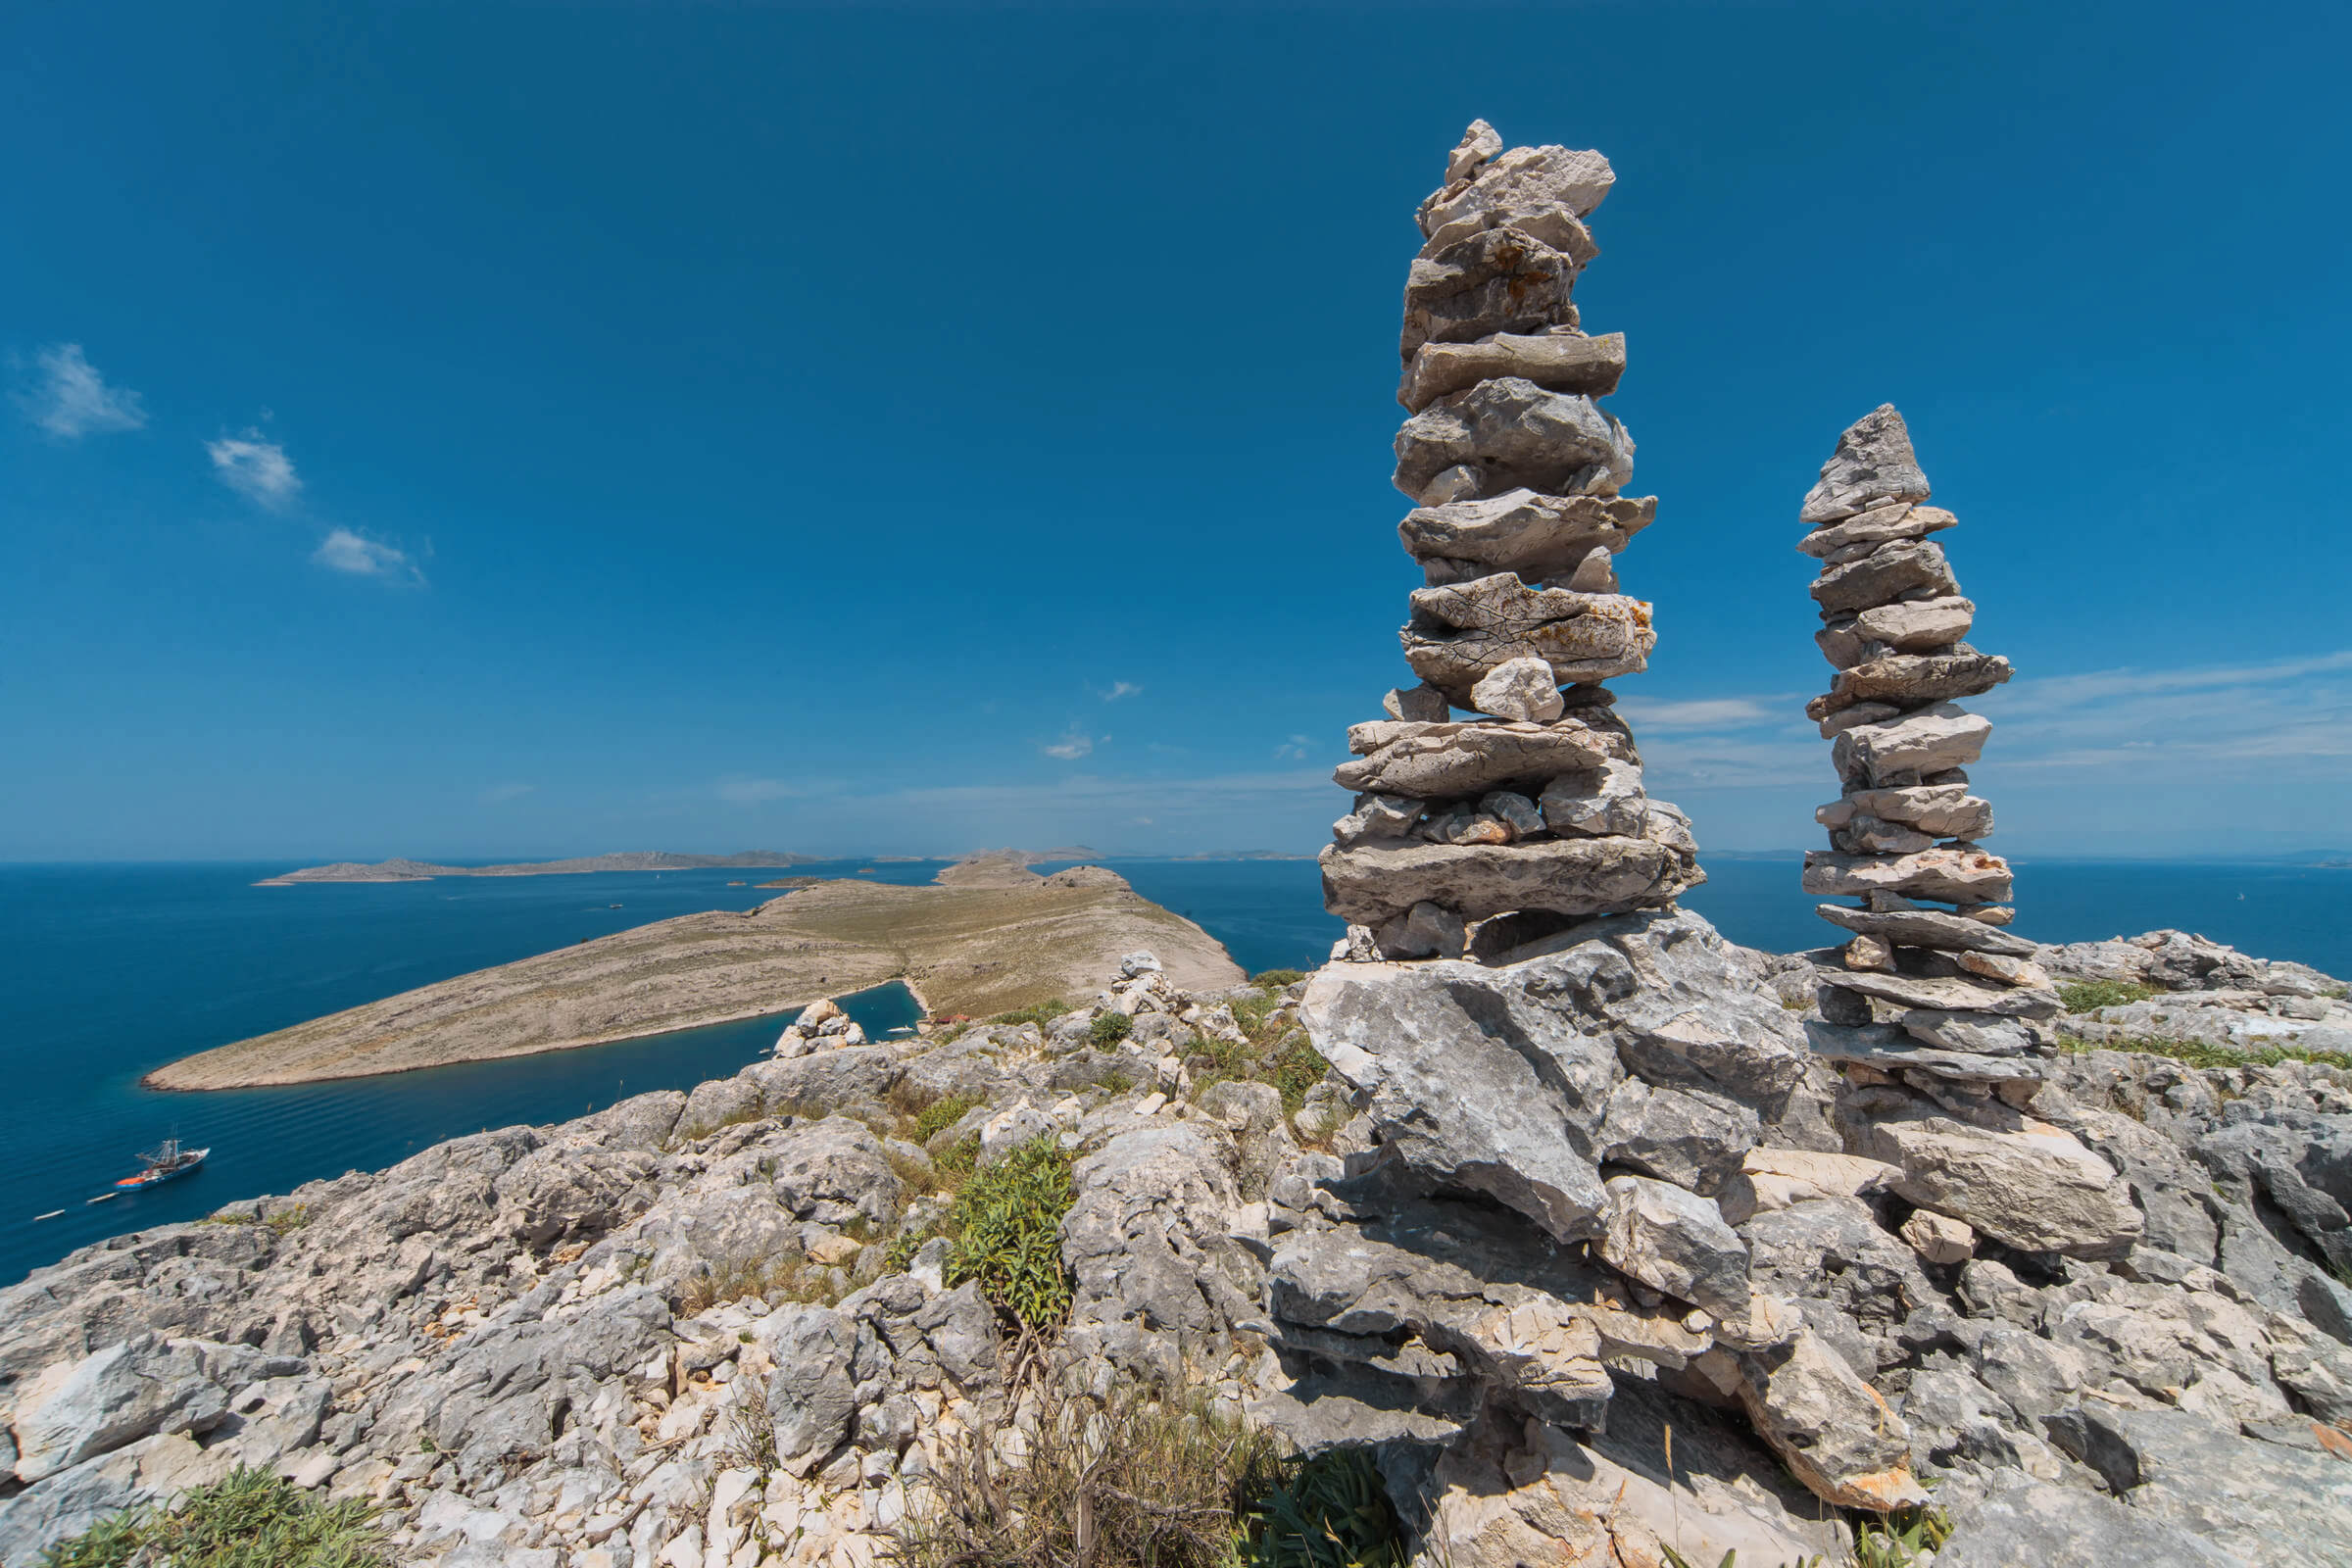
(107, 971)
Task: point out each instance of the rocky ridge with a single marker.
(1532, 815)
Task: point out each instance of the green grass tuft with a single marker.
(2088, 996)
(1275, 979)
(1042, 1014)
(249, 1519)
(1109, 1028)
(2197, 1054)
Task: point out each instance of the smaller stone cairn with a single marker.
(1533, 814)
(1930, 991)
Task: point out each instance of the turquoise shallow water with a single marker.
(107, 971)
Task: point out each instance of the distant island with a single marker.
(406, 870)
(988, 936)
(1243, 855)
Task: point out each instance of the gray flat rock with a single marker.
(1873, 463)
(1558, 362)
(1461, 633)
(1374, 883)
(1537, 536)
(1515, 433)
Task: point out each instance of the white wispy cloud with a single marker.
(1137, 793)
(1074, 744)
(499, 793)
(68, 399)
(342, 550)
(1293, 749)
(259, 471)
(1709, 713)
(1119, 689)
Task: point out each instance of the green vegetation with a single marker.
(1274, 978)
(2088, 996)
(251, 1519)
(1331, 1511)
(1142, 1483)
(1005, 1230)
(1109, 1028)
(1900, 1539)
(1042, 1014)
(1275, 1050)
(2197, 1054)
(941, 1115)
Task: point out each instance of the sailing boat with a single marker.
(164, 1163)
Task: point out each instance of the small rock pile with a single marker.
(1930, 991)
(1534, 811)
(821, 1025)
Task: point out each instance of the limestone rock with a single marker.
(1954, 876)
(1835, 1433)
(1516, 434)
(1923, 743)
(1500, 280)
(1461, 633)
(1423, 703)
(1373, 883)
(1953, 993)
(1674, 1241)
(1520, 690)
(110, 1397)
(1610, 801)
(1873, 465)
(2026, 1184)
(1557, 362)
(2032, 1524)
(1884, 576)
(1939, 1238)
(1880, 524)
(1424, 931)
(1917, 625)
(1537, 536)
(1521, 180)
(1377, 816)
(1912, 680)
(1480, 144)
(810, 1395)
(1939, 810)
(1442, 762)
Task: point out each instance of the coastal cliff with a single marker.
(991, 936)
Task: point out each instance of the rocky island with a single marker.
(406, 870)
(989, 936)
(1542, 1225)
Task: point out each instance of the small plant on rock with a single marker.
(249, 1519)
(1109, 1028)
(2089, 996)
(1005, 1229)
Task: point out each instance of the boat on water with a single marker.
(162, 1165)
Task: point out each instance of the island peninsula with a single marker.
(988, 936)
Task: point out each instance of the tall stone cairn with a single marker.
(1929, 990)
(1481, 835)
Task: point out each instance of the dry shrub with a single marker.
(1133, 1483)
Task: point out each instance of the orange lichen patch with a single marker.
(1881, 1490)
(2333, 1440)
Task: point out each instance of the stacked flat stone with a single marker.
(1929, 989)
(1532, 814)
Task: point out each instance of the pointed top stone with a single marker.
(1873, 465)
(1478, 144)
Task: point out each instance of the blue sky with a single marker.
(484, 431)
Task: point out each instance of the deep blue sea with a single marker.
(107, 971)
